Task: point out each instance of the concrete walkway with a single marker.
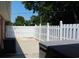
(27, 47)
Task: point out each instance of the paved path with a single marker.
(27, 47)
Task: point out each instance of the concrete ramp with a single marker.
(29, 47)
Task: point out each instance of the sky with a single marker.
(17, 9)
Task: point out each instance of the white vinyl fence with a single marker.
(45, 32)
(20, 31)
(61, 32)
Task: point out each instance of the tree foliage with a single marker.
(27, 22)
(20, 21)
(8, 23)
(54, 11)
(35, 20)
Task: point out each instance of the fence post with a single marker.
(35, 31)
(61, 30)
(47, 31)
(77, 31)
(39, 31)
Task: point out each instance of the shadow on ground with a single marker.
(12, 48)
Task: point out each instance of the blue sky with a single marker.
(17, 9)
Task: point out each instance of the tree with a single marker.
(20, 21)
(8, 23)
(54, 11)
(35, 20)
(70, 11)
(41, 7)
(27, 22)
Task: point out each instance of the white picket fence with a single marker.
(45, 32)
(61, 32)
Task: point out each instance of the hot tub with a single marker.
(59, 49)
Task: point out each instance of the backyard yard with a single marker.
(39, 30)
(29, 37)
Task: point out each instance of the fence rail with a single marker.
(45, 32)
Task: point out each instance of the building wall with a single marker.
(5, 9)
(2, 32)
(4, 16)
